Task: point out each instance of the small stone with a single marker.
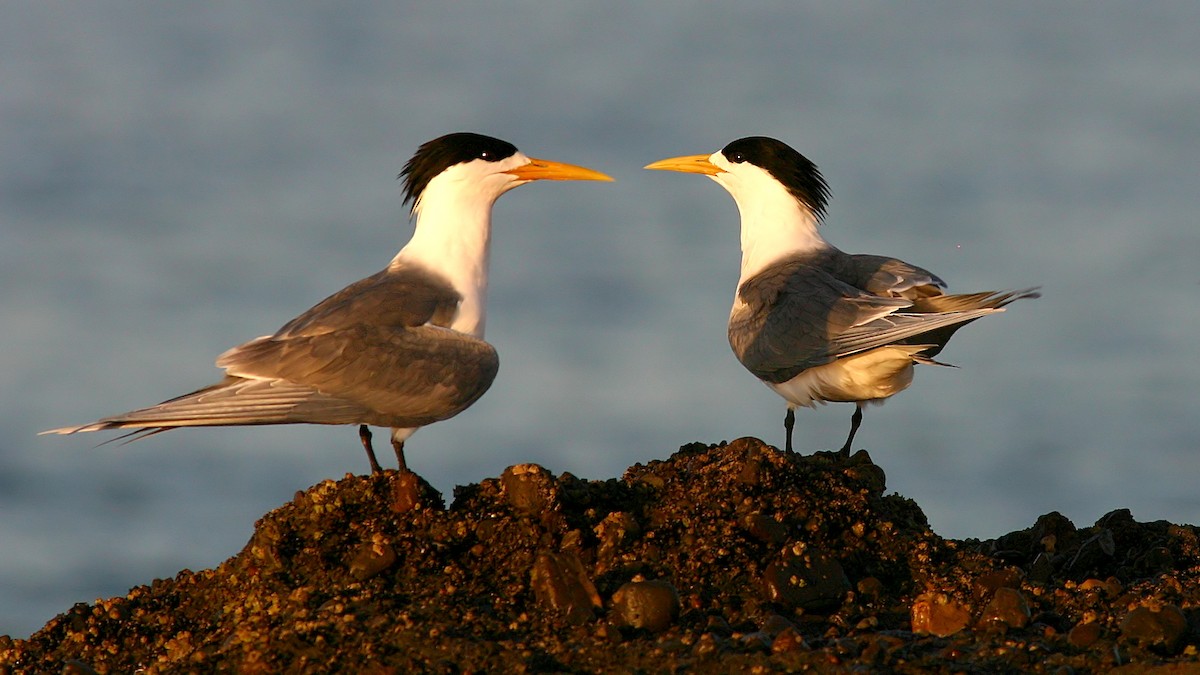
(560, 583)
(757, 641)
(1053, 531)
(788, 640)
(719, 626)
(868, 475)
(870, 588)
(986, 585)
(1160, 627)
(938, 614)
(1008, 608)
(650, 605)
(812, 581)
(765, 528)
(370, 559)
(264, 547)
(527, 488)
(752, 467)
(614, 530)
(776, 624)
(407, 492)
(1084, 635)
(708, 643)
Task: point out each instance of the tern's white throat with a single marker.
(453, 232)
(775, 224)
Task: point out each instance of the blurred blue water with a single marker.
(174, 181)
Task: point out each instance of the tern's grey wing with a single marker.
(788, 319)
(965, 303)
(363, 375)
(404, 377)
(402, 296)
(889, 277)
(232, 401)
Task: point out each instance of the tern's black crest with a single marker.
(797, 173)
(442, 153)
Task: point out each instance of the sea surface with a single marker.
(177, 180)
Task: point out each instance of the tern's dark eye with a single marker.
(737, 158)
(484, 154)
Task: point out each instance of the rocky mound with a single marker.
(726, 558)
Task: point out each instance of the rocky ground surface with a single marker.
(726, 558)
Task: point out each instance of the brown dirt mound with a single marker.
(725, 558)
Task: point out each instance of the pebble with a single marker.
(1007, 608)
(813, 580)
(752, 467)
(527, 488)
(371, 559)
(788, 640)
(719, 626)
(560, 584)
(406, 492)
(765, 528)
(77, 667)
(987, 584)
(870, 588)
(649, 605)
(613, 531)
(938, 614)
(1053, 531)
(868, 474)
(776, 624)
(1084, 635)
(1162, 627)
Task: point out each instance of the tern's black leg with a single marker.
(789, 421)
(364, 435)
(398, 446)
(855, 421)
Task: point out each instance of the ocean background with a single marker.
(177, 180)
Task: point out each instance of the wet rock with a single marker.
(1163, 627)
(870, 588)
(862, 471)
(938, 614)
(371, 558)
(1110, 587)
(1053, 532)
(1007, 609)
(719, 626)
(805, 579)
(776, 624)
(649, 605)
(409, 491)
(788, 640)
(986, 584)
(765, 528)
(752, 460)
(528, 488)
(613, 531)
(1084, 635)
(561, 584)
